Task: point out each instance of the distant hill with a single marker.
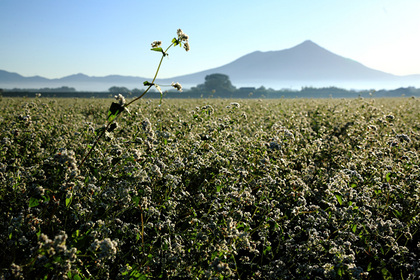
(79, 81)
(8, 77)
(306, 64)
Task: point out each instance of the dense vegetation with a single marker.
(244, 189)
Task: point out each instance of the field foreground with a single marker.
(198, 189)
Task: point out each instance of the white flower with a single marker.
(182, 37)
(120, 98)
(179, 32)
(187, 46)
(156, 44)
(158, 88)
(177, 86)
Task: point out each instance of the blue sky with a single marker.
(56, 38)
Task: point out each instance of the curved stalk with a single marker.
(164, 53)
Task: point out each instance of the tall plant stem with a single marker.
(125, 106)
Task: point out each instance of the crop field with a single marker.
(210, 189)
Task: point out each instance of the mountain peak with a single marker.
(308, 44)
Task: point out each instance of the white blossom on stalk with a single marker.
(187, 46)
(182, 37)
(177, 86)
(179, 32)
(156, 44)
(120, 99)
(158, 88)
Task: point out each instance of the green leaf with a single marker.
(75, 234)
(339, 198)
(354, 228)
(147, 83)
(386, 274)
(68, 201)
(266, 250)
(136, 199)
(157, 49)
(114, 110)
(175, 41)
(397, 214)
(33, 202)
(388, 177)
(46, 198)
(369, 267)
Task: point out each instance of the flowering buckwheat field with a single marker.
(210, 189)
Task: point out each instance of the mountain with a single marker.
(306, 64)
(82, 78)
(8, 77)
(79, 81)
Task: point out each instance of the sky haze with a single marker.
(98, 38)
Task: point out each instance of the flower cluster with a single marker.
(193, 189)
(120, 98)
(117, 108)
(177, 86)
(182, 37)
(156, 44)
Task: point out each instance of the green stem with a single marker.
(154, 78)
(93, 146)
(126, 105)
(137, 98)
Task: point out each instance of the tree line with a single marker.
(218, 86)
